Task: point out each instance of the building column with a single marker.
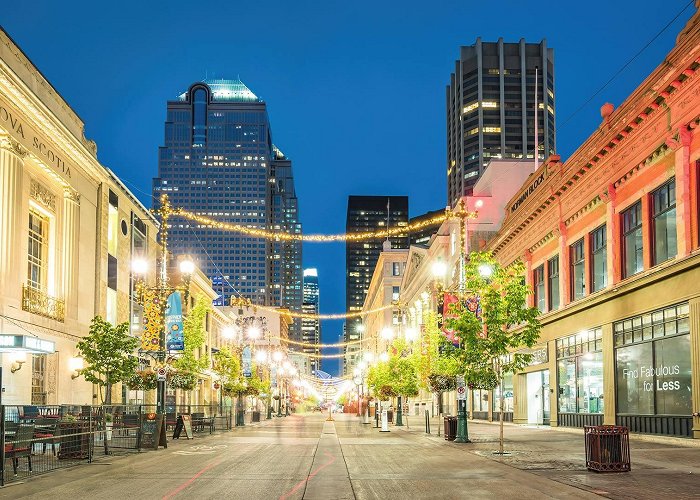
(11, 171)
(564, 267)
(527, 259)
(647, 250)
(71, 229)
(553, 394)
(695, 363)
(609, 403)
(683, 189)
(612, 236)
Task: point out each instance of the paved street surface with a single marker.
(306, 457)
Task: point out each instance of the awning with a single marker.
(26, 343)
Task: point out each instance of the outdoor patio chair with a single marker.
(21, 447)
(46, 432)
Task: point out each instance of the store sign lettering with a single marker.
(21, 132)
(650, 371)
(530, 189)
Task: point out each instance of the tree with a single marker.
(438, 371)
(108, 354)
(194, 335)
(226, 365)
(489, 341)
(398, 376)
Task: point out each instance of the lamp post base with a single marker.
(462, 432)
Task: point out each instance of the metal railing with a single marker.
(39, 302)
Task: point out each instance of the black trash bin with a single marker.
(450, 428)
(390, 416)
(607, 448)
(256, 416)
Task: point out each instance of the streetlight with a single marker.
(159, 293)
(439, 268)
(485, 271)
(387, 333)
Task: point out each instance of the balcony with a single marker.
(38, 302)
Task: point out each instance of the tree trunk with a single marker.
(500, 418)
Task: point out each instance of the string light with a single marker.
(319, 238)
(322, 346)
(324, 356)
(248, 303)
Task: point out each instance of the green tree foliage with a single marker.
(489, 345)
(226, 365)
(396, 377)
(194, 333)
(107, 352)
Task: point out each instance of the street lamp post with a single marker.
(159, 293)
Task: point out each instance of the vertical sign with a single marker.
(273, 376)
(450, 309)
(152, 323)
(461, 389)
(247, 363)
(174, 340)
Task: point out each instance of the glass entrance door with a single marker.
(538, 398)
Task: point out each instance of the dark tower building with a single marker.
(365, 214)
(218, 160)
(490, 109)
(422, 236)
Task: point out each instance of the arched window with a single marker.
(199, 118)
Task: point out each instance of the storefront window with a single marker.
(553, 277)
(664, 222)
(599, 274)
(580, 372)
(507, 391)
(480, 400)
(654, 373)
(578, 281)
(538, 280)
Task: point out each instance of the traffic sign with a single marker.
(161, 375)
(461, 389)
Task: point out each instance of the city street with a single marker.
(303, 456)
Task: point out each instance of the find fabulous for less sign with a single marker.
(649, 377)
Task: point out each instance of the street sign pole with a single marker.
(462, 432)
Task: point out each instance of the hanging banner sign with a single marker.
(450, 311)
(247, 362)
(152, 323)
(174, 339)
(273, 376)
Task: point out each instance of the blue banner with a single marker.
(174, 339)
(247, 362)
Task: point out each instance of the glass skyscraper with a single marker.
(218, 160)
(311, 327)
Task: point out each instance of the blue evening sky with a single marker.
(355, 90)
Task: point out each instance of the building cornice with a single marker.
(624, 138)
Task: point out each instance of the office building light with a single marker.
(489, 105)
(492, 130)
(470, 107)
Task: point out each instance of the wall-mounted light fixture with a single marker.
(76, 365)
(19, 358)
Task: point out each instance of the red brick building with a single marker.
(612, 246)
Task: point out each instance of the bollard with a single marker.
(385, 421)
(365, 414)
(330, 415)
(376, 415)
(427, 421)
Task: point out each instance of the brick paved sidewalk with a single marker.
(661, 467)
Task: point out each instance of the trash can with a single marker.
(450, 428)
(256, 416)
(607, 448)
(390, 416)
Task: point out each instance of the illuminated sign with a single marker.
(14, 343)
